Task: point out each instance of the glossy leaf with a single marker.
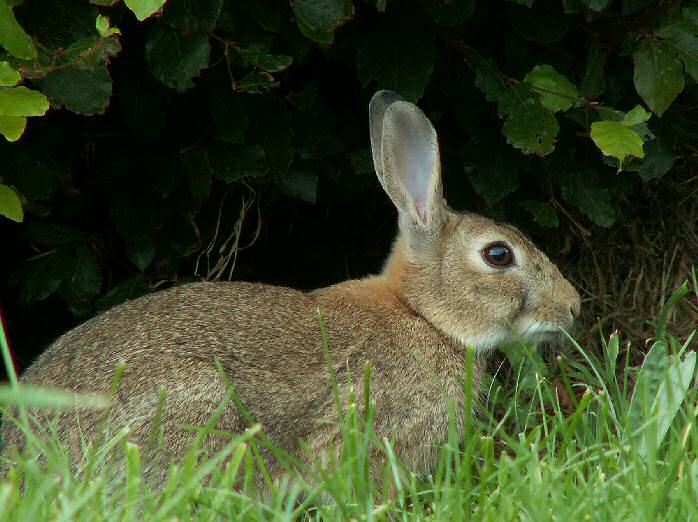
(636, 116)
(12, 127)
(104, 27)
(8, 75)
(556, 92)
(20, 101)
(616, 140)
(12, 37)
(144, 8)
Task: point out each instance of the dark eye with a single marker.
(498, 255)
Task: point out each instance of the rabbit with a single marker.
(451, 280)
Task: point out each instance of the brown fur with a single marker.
(412, 323)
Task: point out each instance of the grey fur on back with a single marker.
(281, 373)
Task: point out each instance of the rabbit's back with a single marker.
(269, 343)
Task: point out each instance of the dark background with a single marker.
(123, 192)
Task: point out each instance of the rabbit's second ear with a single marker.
(376, 114)
(411, 164)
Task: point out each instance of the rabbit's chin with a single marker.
(534, 333)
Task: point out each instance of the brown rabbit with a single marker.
(451, 280)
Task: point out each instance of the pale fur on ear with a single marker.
(411, 166)
(380, 101)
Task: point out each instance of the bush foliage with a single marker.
(548, 110)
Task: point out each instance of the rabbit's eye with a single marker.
(498, 255)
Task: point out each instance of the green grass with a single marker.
(623, 445)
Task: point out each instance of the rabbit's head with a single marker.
(481, 282)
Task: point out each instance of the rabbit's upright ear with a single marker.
(376, 112)
(406, 157)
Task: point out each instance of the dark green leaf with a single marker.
(175, 58)
(40, 277)
(596, 5)
(593, 83)
(229, 114)
(362, 161)
(199, 171)
(399, 58)
(583, 189)
(315, 133)
(495, 179)
(490, 80)
(265, 61)
(528, 125)
(317, 19)
(45, 173)
(50, 234)
(86, 279)
(270, 125)
(192, 15)
(141, 253)
(256, 82)
(300, 184)
(632, 6)
(681, 37)
(659, 158)
(82, 91)
(264, 12)
(123, 291)
(543, 213)
(658, 75)
(234, 162)
(143, 111)
(229, 163)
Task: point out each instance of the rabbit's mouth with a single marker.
(535, 331)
